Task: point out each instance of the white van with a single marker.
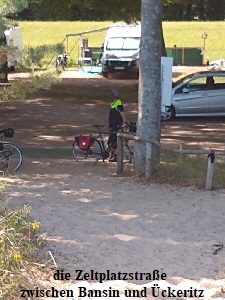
(121, 49)
(14, 38)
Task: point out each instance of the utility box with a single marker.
(186, 56)
(14, 38)
(166, 82)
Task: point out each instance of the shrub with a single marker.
(18, 241)
(19, 88)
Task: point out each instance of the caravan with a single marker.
(121, 49)
(14, 38)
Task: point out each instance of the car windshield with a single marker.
(123, 43)
(183, 79)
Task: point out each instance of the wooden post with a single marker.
(119, 155)
(148, 160)
(224, 154)
(32, 69)
(181, 155)
(182, 56)
(210, 169)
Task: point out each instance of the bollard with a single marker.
(210, 169)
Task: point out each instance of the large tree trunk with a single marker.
(149, 98)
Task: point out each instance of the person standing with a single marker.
(117, 119)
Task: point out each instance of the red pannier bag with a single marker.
(83, 141)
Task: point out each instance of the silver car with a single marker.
(197, 94)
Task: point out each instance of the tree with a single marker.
(129, 11)
(7, 7)
(149, 102)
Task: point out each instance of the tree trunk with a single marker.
(149, 98)
(188, 14)
(3, 61)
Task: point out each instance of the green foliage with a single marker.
(8, 7)
(35, 54)
(127, 10)
(18, 242)
(12, 6)
(19, 89)
(122, 9)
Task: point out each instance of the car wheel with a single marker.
(105, 74)
(169, 114)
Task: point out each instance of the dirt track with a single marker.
(96, 221)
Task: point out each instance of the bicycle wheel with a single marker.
(10, 157)
(90, 156)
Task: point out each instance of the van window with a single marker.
(123, 43)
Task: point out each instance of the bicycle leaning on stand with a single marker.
(10, 155)
(90, 149)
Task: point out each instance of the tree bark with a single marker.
(149, 98)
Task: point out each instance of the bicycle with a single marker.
(91, 149)
(10, 155)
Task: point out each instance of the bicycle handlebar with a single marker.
(129, 126)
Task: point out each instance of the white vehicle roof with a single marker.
(124, 30)
(16, 31)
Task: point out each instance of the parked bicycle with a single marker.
(91, 149)
(10, 155)
(61, 61)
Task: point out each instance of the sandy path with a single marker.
(97, 221)
(104, 222)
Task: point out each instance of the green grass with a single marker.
(188, 34)
(187, 170)
(185, 34)
(50, 33)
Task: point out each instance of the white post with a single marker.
(148, 160)
(181, 155)
(210, 169)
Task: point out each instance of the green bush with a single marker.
(20, 88)
(18, 241)
(40, 55)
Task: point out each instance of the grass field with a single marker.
(185, 34)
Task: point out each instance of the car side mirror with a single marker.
(185, 90)
(102, 47)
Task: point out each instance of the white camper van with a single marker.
(121, 49)
(14, 38)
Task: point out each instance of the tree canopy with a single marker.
(118, 10)
(7, 8)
